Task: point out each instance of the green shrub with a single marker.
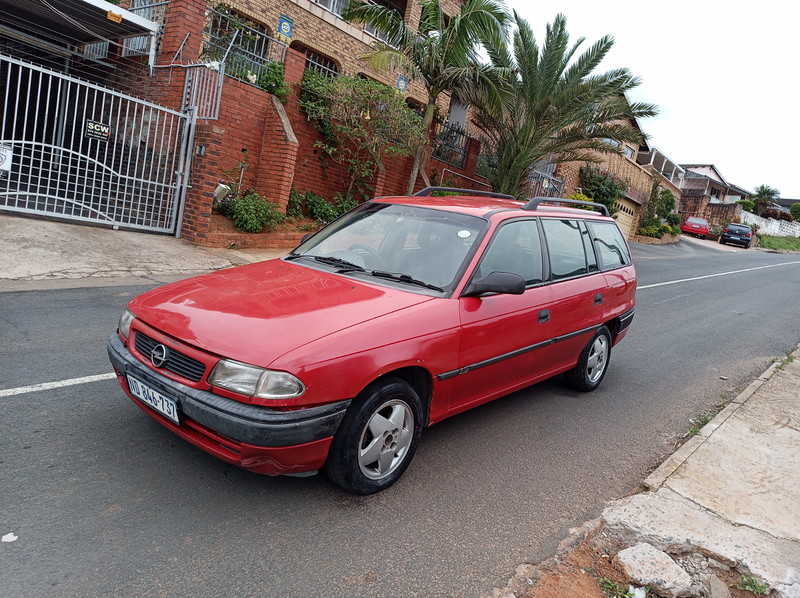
(251, 213)
(344, 204)
(224, 205)
(747, 205)
(665, 229)
(674, 220)
(294, 207)
(320, 208)
(795, 211)
(271, 80)
(676, 229)
(650, 231)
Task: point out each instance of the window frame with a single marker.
(600, 264)
(542, 250)
(546, 243)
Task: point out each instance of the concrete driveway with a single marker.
(715, 245)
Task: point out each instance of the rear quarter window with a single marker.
(610, 245)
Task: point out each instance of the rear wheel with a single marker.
(592, 364)
(377, 437)
(721, 242)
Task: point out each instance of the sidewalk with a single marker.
(725, 504)
(41, 250)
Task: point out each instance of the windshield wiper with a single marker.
(336, 261)
(405, 278)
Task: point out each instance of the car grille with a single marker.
(177, 363)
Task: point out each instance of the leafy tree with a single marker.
(603, 187)
(441, 54)
(666, 203)
(795, 211)
(369, 121)
(763, 197)
(556, 106)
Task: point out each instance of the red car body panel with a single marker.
(256, 313)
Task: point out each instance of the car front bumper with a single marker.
(256, 438)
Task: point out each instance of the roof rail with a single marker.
(428, 190)
(534, 203)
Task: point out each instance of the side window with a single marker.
(565, 248)
(610, 245)
(515, 248)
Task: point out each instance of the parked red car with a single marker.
(695, 226)
(401, 313)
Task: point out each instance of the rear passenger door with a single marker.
(615, 262)
(578, 289)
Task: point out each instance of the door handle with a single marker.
(544, 316)
(598, 299)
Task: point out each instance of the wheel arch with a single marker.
(419, 379)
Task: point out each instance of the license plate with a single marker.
(695, 226)
(164, 405)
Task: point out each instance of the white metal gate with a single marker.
(75, 150)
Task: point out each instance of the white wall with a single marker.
(772, 227)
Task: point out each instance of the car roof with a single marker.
(484, 207)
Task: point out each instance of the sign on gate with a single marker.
(6, 158)
(96, 130)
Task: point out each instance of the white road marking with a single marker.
(49, 385)
(662, 284)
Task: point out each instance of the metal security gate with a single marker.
(74, 150)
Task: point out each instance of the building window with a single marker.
(612, 143)
(629, 152)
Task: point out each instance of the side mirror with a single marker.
(496, 282)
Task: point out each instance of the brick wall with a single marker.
(277, 141)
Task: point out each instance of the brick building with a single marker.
(143, 91)
(642, 167)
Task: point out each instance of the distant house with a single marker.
(707, 194)
(785, 204)
(706, 180)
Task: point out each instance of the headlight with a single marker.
(255, 382)
(125, 322)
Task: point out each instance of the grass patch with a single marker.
(788, 243)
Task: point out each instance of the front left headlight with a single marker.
(125, 323)
(255, 382)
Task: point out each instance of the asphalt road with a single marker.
(105, 501)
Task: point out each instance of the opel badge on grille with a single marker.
(159, 355)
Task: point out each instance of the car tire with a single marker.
(747, 246)
(377, 438)
(592, 363)
(721, 242)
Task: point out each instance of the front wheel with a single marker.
(377, 437)
(592, 364)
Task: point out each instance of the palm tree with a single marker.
(763, 197)
(442, 54)
(557, 107)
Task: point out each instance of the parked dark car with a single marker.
(399, 314)
(695, 226)
(741, 234)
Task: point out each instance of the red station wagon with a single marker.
(395, 316)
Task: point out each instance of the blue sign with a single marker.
(285, 29)
(402, 83)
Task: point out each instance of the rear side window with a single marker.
(610, 245)
(565, 248)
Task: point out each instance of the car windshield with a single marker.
(396, 244)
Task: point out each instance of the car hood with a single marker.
(257, 313)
